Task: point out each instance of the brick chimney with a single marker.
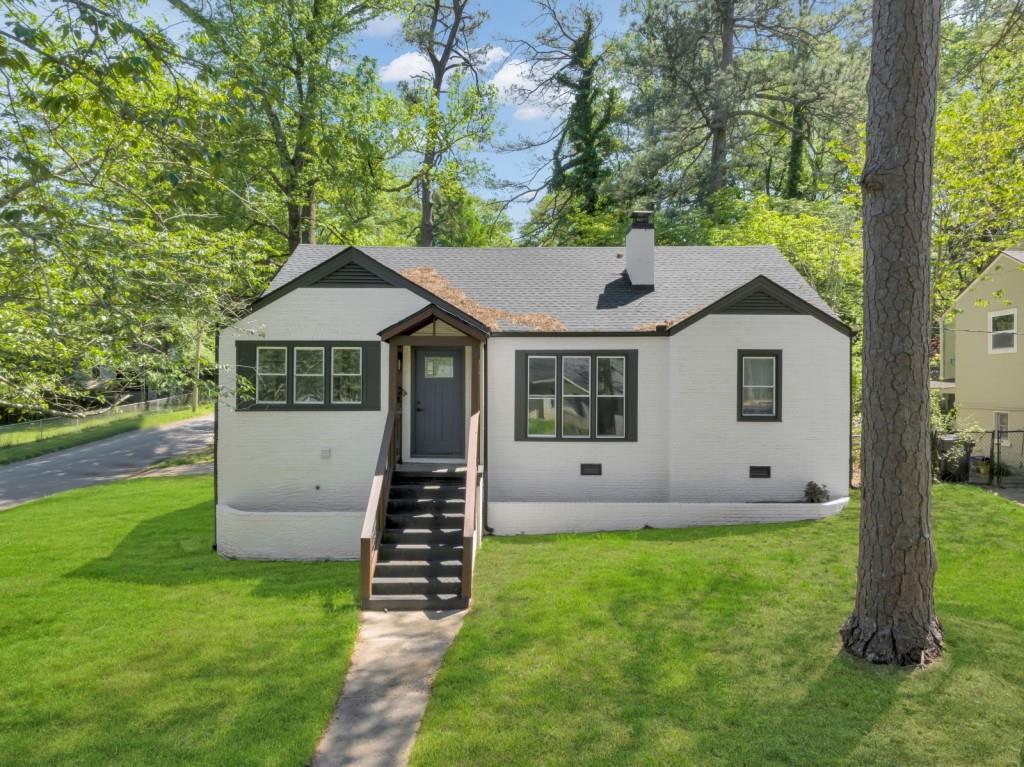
(640, 249)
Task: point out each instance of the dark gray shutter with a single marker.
(245, 373)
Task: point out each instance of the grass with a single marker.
(125, 640)
(718, 646)
(31, 443)
(205, 455)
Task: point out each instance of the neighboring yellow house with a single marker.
(982, 349)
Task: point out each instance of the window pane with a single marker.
(347, 389)
(309, 389)
(309, 362)
(271, 388)
(541, 377)
(540, 416)
(611, 416)
(758, 400)
(575, 416)
(758, 371)
(439, 367)
(1002, 322)
(1002, 340)
(611, 375)
(575, 376)
(347, 361)
(272, 360)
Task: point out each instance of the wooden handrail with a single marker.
(376, 506)
(469, 517)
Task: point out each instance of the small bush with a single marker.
(815, 493)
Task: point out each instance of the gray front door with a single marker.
(439, 405)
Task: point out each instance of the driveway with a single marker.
(115, 457)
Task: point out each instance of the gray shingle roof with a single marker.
(583, 288)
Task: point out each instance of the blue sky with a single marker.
(507, 21)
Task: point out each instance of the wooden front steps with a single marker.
(419, 562)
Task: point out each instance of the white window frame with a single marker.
(296, 374)
(529, 361)
(993, 333)
(347, 375)
(997, 432)
(589, 396)
(259, 400)
(598, 396)
(744, 385)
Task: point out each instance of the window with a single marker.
(309, 375)
(346, 375)
(540, 419)
(576, 395)
(1002, 427)
(1002, 331)
(611, 396)
(271, 374)
(439, 367)
(759, 385)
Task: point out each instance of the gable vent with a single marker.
(758, 302)
(351, 275)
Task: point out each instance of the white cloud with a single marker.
(514, 83)
(383, 26)
(404, 67)
(532, 112)
(494, 55)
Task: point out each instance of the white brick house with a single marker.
(596, 388)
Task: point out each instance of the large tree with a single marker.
(894, 620)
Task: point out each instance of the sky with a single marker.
(508, 21)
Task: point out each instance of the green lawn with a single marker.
(30, 442)
(718, 646)
(124, 640)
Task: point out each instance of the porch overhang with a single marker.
(427, 315)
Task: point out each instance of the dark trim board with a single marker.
(632, 382)
(245, 367)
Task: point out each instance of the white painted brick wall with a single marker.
(712, 451)
(550, 471)
(270, 461)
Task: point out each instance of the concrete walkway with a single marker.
(115, 457)
(393, 665)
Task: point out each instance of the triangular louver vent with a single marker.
(351, 275)
(758, 302)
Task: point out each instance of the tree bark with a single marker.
(894, 619)
(795, 164)
(720, 110)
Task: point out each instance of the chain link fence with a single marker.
(994, 459)
(44, 428)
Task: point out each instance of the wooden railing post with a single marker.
(470, 522)
(376, 507)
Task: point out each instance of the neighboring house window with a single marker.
(576, 395)
(271, 374)
(309, 375)
(346, 375)
(1002, 428)
(759, 384)
(1002, 331)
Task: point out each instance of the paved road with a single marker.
(101, 461)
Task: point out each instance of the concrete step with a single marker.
(449, 535)
(419, 584)
(390, 552)
(410, 568)
(415, 602)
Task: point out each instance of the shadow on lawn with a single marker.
(174, 549)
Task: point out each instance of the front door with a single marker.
(439, 405)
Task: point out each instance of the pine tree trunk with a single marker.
(894, 619)
(795, 164)
(720, 110)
